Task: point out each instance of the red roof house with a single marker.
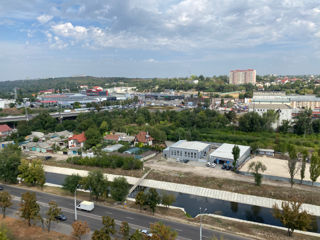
(143, 137)
(112, 137)
(77, 140)
(5, 130)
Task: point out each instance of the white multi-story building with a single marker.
(284, 111)
(238, 77)
(185, 150)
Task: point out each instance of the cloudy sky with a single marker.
(157, 38)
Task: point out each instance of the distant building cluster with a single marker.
(238, 77)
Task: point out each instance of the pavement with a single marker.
(135, 220)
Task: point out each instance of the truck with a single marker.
(86, 206)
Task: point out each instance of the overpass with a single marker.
(30, 116)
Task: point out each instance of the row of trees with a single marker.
(98, 185)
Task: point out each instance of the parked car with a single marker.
(145, 232)
(224, 166)
(47, 157)
(211, 164)
(185, 160)
(61, 217)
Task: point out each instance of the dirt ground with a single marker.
(161, 164)
(277, 167)
(55, 156)
(19, 230)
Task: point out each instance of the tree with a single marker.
(153, 199)
(303, 124)
(314, 167)
(162, 232)
(52, 213)
(29, 208)
(80, 228)
(5, 202)
(125, 230)
(32, 173)
(103, 127)
(96, 183)
(119, 189)
(167, 199)
(93, 137)
(72, 182)
(137, 235)
(291, 216)
(235, 153)
(303, 165)
(255, 168)
(108, 228)
(292, 163)
(140, 199)
(10, 158)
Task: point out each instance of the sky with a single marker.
(157, 38)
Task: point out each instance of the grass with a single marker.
(19, 230)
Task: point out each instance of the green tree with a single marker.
(303, 124)
(167, 199)
(140, 199)
(109, 228)
(255, 168)
(10, 158)
(72, 182)
(292, 163)
(303, 164)
(52, 213)
(125, 230)
(153, 199)
(76, 105)
(5, 202)
(236, 154)
(314, 167)
(29, 208)
(32, 173)
(137, 235)
(119, 189)
(96, 183)
(93, 137)
(292, 217)
(103, 127)
(162, 231)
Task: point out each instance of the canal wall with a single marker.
(192, 190)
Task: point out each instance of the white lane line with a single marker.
(179, 230)
(130, 218)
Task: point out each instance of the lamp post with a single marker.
(201, 221)
(75, 204)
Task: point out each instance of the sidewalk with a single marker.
(192, 190)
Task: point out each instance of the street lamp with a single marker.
(75, 204)
(201, 221)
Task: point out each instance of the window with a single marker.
(188, 154)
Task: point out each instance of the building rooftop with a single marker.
(225, 151)
(192, 145)
(80, 137)
(269, 106)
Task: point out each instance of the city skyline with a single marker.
(173, 38)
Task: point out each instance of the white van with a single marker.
(86, 206)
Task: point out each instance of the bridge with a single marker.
(30, 116)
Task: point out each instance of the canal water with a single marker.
(192, 204)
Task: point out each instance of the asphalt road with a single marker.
(135, 220)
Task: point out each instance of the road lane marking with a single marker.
(130, 218)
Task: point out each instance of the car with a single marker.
(185, 160)
(47, 157)
(224, 166)
(61, 217)
(145, 232)
(213, 165)
(1, 187)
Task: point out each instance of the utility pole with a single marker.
(75, 204)
(201, 221)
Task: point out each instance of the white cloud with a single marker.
(68, 30)
(44, 18)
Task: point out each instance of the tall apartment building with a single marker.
(242, 77)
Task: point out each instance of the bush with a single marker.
(108, 161)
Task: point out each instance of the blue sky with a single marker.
(157, 38)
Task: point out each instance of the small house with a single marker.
(5, 130)
(144, 138)
(77, 141)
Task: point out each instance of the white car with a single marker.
(145, 232)
(211, 164)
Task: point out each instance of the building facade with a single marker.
(238, 77)
(185, 150)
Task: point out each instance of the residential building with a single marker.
(144, 138)
(284, 112)
(5, 144)
(242, 77)
(185, 150)
(77, 141)
(5, 103)
(5, 130)
(223, 154)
